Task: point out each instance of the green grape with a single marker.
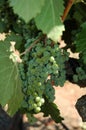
(46, 54)
(39, 104)
(24, 104)
(49, 91)
(37, 109)
(75, 78)
(52, 59)
(34, 105)
(37, 99)
(42, 101)
(80, 74)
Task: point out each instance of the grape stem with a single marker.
(67, 9)
(32, 45)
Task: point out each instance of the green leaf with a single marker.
(10, 83)
(27, 9)
(15, 101)
(51, 109)
(49, 20)
(17, 38)
(80, 41)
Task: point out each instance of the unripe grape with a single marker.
(55, 66)
(39, 104)
(37, 99)
(52, 59)
(39, 84)
(35, 105)
(42, 100)
(38, 109)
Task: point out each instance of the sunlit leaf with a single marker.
(27, 9)
(49, 20)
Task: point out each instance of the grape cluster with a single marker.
(41, 66)
(38, 103)
(80, 74)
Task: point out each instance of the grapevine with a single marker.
(31, 58)
(40, 66)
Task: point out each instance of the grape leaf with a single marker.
(49, 20)
(80, 41)
(18, 38)
(51, 109)
(27, 9)
(15, 101)
(10, 83)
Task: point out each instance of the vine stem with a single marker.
(32, 45)
(67, 9)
